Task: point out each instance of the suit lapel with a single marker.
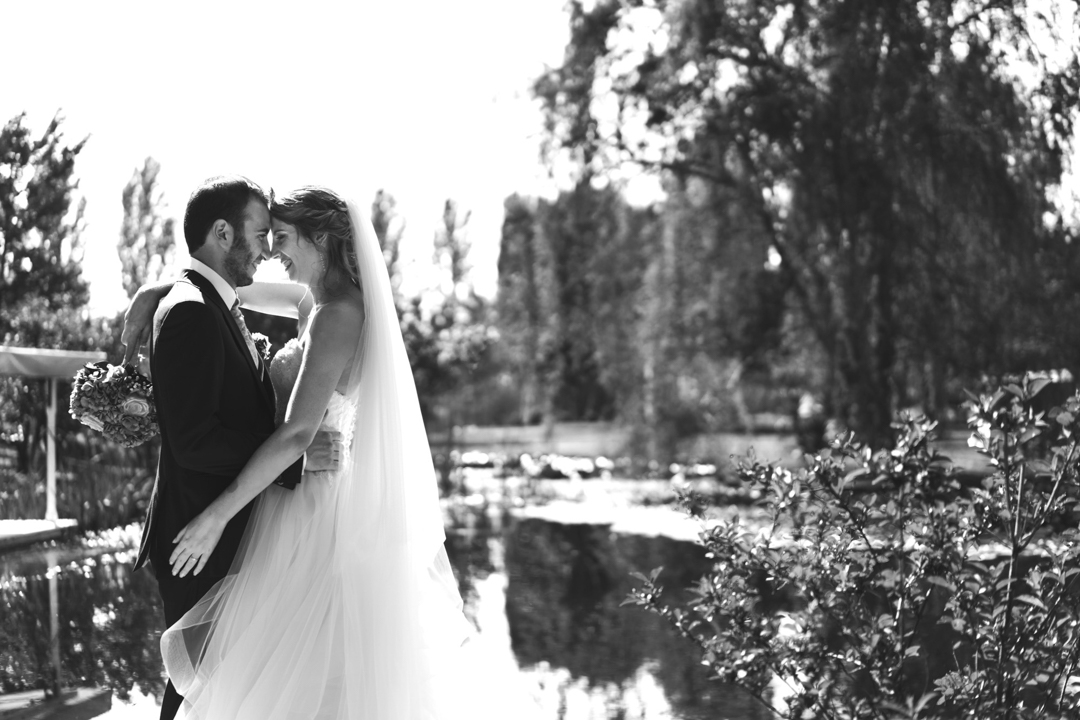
(211, 294)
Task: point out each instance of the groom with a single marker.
(214, 399)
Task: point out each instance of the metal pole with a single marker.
(50, 458)
(53, 560)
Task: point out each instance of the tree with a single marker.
(389, 228)
(445, 328)
(889, 153)
(712, 306)
(451, 252)
(521, 305)
(459, 324)
(573, 227)
(559, 302)
(147, 244)
(42, 292)
(40, 251)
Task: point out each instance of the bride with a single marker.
(341, 602)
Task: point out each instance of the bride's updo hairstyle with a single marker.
(317, 211)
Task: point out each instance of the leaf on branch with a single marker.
(1037, 386)
(856, 473)
(1032, 600)
(941, 582)
(1029, 434)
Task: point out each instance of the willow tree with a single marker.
(897, 157)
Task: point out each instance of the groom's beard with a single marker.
(238, 263)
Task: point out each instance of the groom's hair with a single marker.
(224, 197)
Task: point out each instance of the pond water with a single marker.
(546, 597)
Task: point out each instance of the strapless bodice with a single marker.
(285, 368)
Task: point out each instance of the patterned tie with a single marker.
(239, 318)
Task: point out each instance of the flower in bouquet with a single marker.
(115, 400)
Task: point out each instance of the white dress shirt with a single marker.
(225, 290)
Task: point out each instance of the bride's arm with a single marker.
(285, 299)
(334, 333)
(139, 317)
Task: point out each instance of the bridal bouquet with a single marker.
(115, 400)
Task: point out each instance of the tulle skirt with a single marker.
(305, 627)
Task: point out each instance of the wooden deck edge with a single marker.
(13, 536)
(73, 704)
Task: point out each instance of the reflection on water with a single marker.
(555, 589)
(109, 618)
(564, 606)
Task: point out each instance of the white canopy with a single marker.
(49, 364)
(41, 363)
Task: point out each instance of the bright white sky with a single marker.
(428, 99)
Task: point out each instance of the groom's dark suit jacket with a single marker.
(215, 407)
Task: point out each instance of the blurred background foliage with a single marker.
(859, 209)
(859, 198)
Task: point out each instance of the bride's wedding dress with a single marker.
(317, 620)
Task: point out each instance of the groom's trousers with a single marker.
(178, 596)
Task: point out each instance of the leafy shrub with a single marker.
(890, 585)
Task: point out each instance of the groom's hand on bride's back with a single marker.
(139, 318)
(324, 452)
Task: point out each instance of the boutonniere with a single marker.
(262, 345)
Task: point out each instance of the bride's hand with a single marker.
(139, 318)
(195, 543)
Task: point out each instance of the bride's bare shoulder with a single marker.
(341, 318)
(349, 305)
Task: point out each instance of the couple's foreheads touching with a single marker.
(231, 224)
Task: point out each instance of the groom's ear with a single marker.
(221, 233)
